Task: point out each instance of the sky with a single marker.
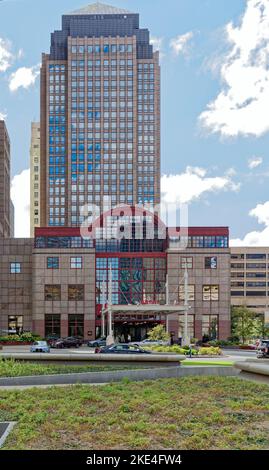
(214, 103)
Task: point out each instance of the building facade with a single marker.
(250, 279)
(34, 178)
(62, 281)
(100, 116)
(6, 205)
(16, 284)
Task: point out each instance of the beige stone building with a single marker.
(6, 206)
(250, 279)
(35, 177)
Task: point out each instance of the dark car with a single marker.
(97, 343)
(80, 339)
(51, 338)
(122, 349)
(263, 348)
(70, 342)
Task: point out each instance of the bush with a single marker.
(175, 349)
(23, 338)
(211, 351)
(158, 333)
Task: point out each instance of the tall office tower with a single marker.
(100, 115)
(6, 206)
(35, 177)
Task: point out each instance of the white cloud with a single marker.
(20, 195)
(254, 162)
(192, 184)
(179, 44)
(2, 116)
(241, 107)
(23, 77)
(157, 44)
(5, 55)
(256, 238)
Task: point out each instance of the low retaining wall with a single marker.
(96, 358)
(253, 367)
(117, 376)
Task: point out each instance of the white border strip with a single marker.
(7, 431)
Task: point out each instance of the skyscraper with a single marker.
(6, 205)
(100, 115)
(35, 177)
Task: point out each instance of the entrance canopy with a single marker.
(140, 309)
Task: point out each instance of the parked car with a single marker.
(121, 349)
(149, 342)
(263, 348)
(80, 339)
(51, 338)
(97, 343)
(40, 346)
(70, 342)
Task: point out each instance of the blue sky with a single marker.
(216, 159)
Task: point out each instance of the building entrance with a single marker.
(132, 331)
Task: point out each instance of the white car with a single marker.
(40, 346)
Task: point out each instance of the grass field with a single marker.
(11, 368)
(186, 413)
(209, 362)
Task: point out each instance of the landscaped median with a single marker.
(187, 413)
(175, 349)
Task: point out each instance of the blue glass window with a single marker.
(106, 48)
(52, 263)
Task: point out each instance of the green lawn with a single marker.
(186, 413)
(11, 368)
(210, 362)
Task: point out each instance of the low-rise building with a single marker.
(250, 279)
(60, 281)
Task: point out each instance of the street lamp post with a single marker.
(186, 339)
(110, 337)
(167, 302)
(103, 310)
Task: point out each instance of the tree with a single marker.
(158, 333)
(244, 323)
(260, 328)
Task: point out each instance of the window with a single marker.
(76, 325)
(15, 268)
(191, 294)
(52, 263)
(15, 323)
(52, 325)
(75, 292)
(186, 262)
(210, 328)
(76, 263)
(210, 292)
(211, 262)
(52, 292)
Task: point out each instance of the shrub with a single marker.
(23, 338)
(158, 333)
(211, 351)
